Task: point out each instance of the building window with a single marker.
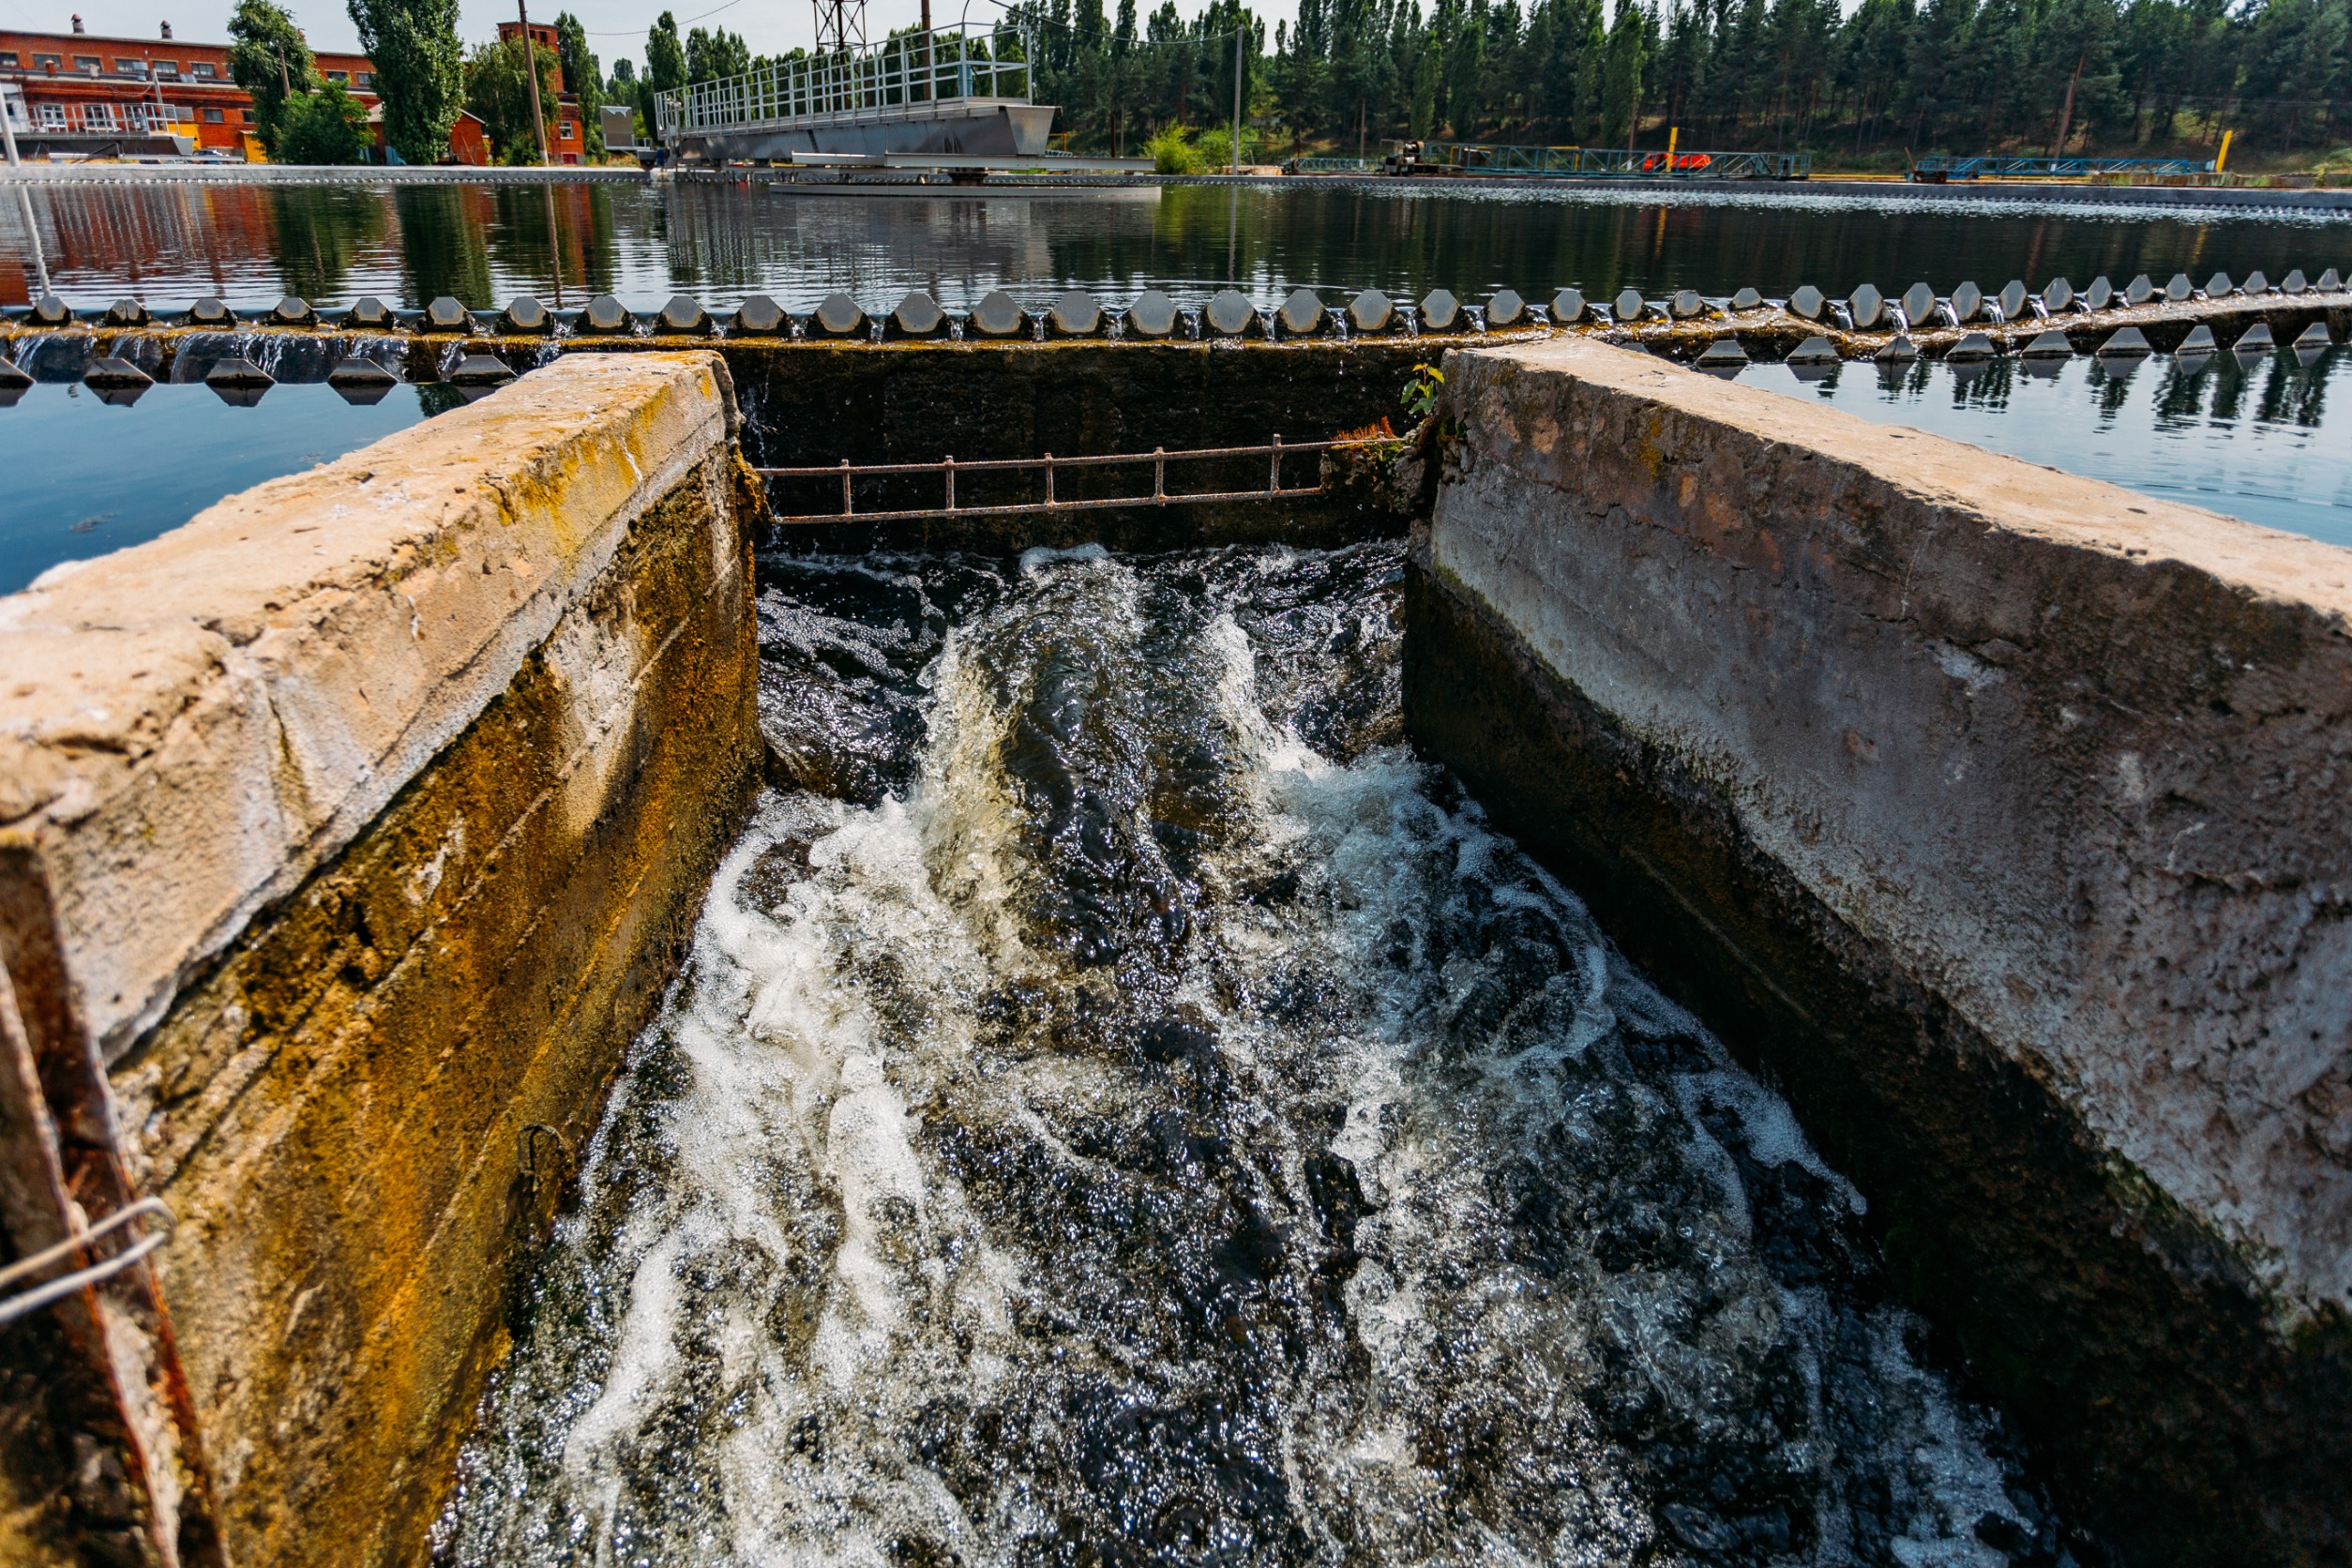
(249, 116)
(365, 78)
(87, 63)
(201, 67)
(129, 68)
(47, 62)
(340, 76)
(568, 132)
(7, 58)
(52, 117)
(97, 116)
(212, 117)
(167, 67)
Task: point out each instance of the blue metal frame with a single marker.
(1939, 169)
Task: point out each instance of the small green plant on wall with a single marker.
(1421, 393)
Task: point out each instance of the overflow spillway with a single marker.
(1248, 1146)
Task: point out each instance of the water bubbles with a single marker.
(1152, 1118)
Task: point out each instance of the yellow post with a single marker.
(1674, 134)
(2221, 160)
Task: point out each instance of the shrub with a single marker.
(325, 127)
(1172, 153)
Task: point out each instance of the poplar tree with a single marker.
(269, 60)
(418, 64)
(583, 78)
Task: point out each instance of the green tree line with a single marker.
(1895, 77)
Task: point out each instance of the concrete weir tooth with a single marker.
(111, 373)
(209, 311)
(1076, 314)
(2057, 295)
(918, 315)
(2255, 340)
(1918, 302)
(2220, 286)
(1867, 306)
(2293, 282)
(2100, 295)
(838, 316)
(446, 314)
(1229, 313)
(2316, 337)
(2126, 342)
(2048, 345)
(2199, 341)
(2256, 283)
(759, 317)
(1629, 307)
(605, 316)
(361, 382)
(1440, 311)
(1686, 305)
(1723, 356)
(127, 312)
(525, 315)
(480, 370)
(1747, 299)
(1568, 306)
(1816, 349)
(12, 378)
(2012, 299)
(293, 311)
(1000, 315)
(1975, 345)
(1898, 350)
(1151, 315)
(2139, 290)
(1506, 309)
(368, 314)
(1808, 303)
(1371, 311)
(49, 311)
(2178, 289)
(1968, 303)
(237, 370)
(683, 315)
(2330, 281)
(238, 382)
(1302, 315)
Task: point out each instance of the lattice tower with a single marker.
(840, 25)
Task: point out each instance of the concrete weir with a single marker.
(2001, 816)
(347, 836)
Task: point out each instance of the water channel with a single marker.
(1139, 1114)
(1123, 1108)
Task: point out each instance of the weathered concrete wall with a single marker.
(375, 804)
(2002, 815)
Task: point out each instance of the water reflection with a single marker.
(2242, 436)
(248, 244)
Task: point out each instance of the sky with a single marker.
(770, 27)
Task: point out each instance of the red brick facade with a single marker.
(567, 138)
(80, 84)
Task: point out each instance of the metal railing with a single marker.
(1465, 158)
(966, 63)
(1939, 169)
(1158, 459)
(143, 117)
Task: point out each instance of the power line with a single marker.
(629, 34)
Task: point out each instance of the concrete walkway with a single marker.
(308, 174)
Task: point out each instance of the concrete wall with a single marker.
(373, 805)
(2002, 816)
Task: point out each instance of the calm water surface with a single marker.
(250, 245)
(85, 477)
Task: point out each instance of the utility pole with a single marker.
(929, 87)
(531, 74)
(7, 135)
(1240, 33)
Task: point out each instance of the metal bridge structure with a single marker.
(1938, 171)
(1484, 159)
(961, 90)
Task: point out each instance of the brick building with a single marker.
(567, 138)
(92, 95)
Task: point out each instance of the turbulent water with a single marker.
(1129, 1111)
